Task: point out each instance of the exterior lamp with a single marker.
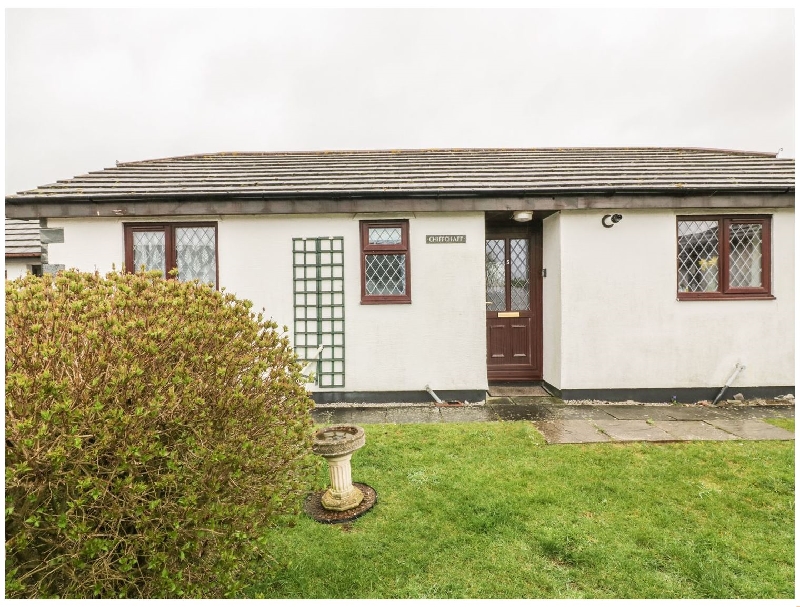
(523, 215)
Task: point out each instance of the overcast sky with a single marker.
(87, 88)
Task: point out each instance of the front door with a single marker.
(514, 303)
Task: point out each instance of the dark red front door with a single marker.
(514, 303)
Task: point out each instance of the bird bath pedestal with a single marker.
(337, 445)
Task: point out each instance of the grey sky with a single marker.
(86, 88)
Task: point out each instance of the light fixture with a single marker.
(523, 215)
(615, 218)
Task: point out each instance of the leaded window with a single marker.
(385, 262)
(191, 248)
(723, 257)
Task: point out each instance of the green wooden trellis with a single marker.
(319, 306)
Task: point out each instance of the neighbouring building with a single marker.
(612, 273)
(23, 248)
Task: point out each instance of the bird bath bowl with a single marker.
(337, 445)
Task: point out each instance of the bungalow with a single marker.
(609, 273)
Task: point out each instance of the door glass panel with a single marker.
(196, 254)
(149, 250)
(520, 275)
(495, 275)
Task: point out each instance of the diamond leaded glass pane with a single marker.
(520, 275)
(196, 254)
(385, 235)
(698, 256)
(149, 250)
(385, 274)
(495, 275)
(745, 255)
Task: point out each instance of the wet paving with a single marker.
(562, 423)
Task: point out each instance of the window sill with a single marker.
(722, 297)
(384, 302)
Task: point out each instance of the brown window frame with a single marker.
(725, 291)
(171, 252)
(385, 249)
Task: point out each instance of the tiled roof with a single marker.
(22, 238)
(392, 173)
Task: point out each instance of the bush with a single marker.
(154, 429)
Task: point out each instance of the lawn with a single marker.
(488, 510)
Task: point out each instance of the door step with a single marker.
(517, 390)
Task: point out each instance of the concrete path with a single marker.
(564, 423)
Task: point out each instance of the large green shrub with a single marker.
(154, 429)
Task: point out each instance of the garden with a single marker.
(158, 445)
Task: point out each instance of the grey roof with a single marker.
(22, 238)
(426, 173)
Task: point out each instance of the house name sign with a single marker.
(446, 239)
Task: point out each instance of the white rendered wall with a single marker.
(622, 326)
(438, 339)
(551, 299)
(89, 244)
(18, 267)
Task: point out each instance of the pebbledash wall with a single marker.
(396, 349)
(613, 326)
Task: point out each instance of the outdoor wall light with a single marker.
(523, 215)
(615, 218)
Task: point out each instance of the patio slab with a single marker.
(744, 412)
(467, 414)
(693, 430)
(566, 431)
(412, 415)
(632, 430)
(752, 429)
(349, 415)
(513, 413)
(696, 413)
(579, 412)
(633, 412)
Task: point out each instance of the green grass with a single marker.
(487, 510)
(781, 422)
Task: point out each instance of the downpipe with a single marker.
(736, 371)
(438, 400)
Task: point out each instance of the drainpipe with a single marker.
(736, 371)
(432, 393)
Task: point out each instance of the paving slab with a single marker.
(632, 430)
(513, 413)
(349, 415)
(752, 429)
(467, 414)
(412, 415)
(579, 412)
(566, 431)
(499, 400)
(537, 400)
(744, 412)
(693, 430)
(638, 412)
(696, 413)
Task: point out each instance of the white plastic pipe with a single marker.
(438, 400)
(729, 382)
